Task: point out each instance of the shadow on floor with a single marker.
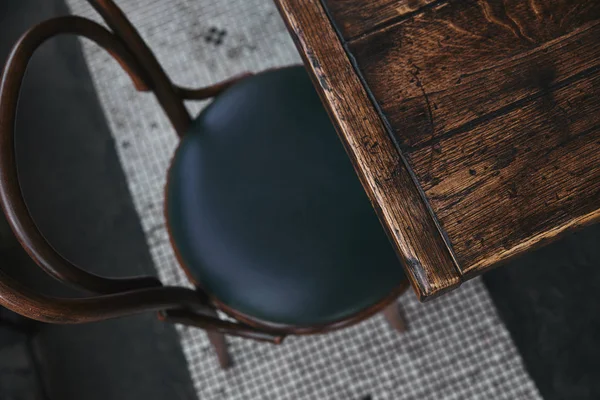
(549, 300)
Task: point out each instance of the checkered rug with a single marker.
(456, 347)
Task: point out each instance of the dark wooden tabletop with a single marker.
(474, 125)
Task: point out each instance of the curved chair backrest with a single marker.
(118, 297)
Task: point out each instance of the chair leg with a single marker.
(219, 343)
(394, 317)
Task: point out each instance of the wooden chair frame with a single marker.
(126, 296)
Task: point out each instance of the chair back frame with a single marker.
(115, 297)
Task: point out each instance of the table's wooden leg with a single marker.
(394, 317)
(219, 343)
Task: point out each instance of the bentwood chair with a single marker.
(264, 210)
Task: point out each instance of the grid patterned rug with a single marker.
(456, 347)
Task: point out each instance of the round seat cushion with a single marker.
(267, 213)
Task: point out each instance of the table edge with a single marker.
(425, 252)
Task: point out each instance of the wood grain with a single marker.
(358, 17)
(495, 104)
(388, 182)
(450, 66)
(520, 178)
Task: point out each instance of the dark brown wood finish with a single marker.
(387, 180)
(158, 80)
(11, 197)
(494, 104)
(359, 17)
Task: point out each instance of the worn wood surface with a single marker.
(387, 180)
(493, 103)
(499, 194)
(451, 66)
(359, 17)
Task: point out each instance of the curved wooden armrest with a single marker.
(11, 198)
(39, 307)
(187, 307)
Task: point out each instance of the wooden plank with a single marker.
(389, 184)
(481, 98)
(521, 178)
(462, 62)
(357, 17)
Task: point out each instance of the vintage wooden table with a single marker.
(474, 125)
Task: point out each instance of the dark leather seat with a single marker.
(266, 211)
